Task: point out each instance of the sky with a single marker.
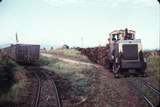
(83, 23)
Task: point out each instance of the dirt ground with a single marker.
(83, 84)
(102, 90)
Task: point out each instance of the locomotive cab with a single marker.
(125, 52)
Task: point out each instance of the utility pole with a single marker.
(17, 38)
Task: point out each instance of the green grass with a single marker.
(44, 60)
(12, 96)
(77, 76)
(153, 66)
(12, 80)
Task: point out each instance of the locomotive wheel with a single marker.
(116, 75)
(110, 65)
(126, 73)
(143, 74)
(116, 69)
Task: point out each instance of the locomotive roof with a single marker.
(121, 31)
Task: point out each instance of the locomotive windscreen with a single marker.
(130, 51)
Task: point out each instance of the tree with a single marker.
(51, 48)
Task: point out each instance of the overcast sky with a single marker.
(57, 22)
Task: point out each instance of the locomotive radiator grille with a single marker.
(130, 51)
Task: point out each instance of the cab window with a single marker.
(129, 36)
(115, 37)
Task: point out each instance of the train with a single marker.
(123, 54)
(126, 53)
(23, 53)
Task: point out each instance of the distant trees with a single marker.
(65, 46)
(51, 48)
(44, 49)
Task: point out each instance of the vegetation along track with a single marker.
(46, 91)
(150, 94)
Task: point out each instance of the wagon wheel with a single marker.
(116, 69)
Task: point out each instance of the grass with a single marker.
(67, 52)
(12, 96)
(77, 79)
(82, 85)
(12, 80)
(44, 60)
(153, 66)
(70, 53)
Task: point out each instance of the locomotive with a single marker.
(125, 52)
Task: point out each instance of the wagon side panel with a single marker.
(27, 53)
(13, 52)
(20, 53)
(34, 52)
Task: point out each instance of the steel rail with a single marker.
(57, 95)
(38, 91)
(55, 89)
(38, 74)
(151, 87)
(143, 95)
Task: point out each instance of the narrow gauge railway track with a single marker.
(55, 88)
(146, 84)
(40, 76)
(153, 88)
(35, 102)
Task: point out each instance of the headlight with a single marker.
(120, 48)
